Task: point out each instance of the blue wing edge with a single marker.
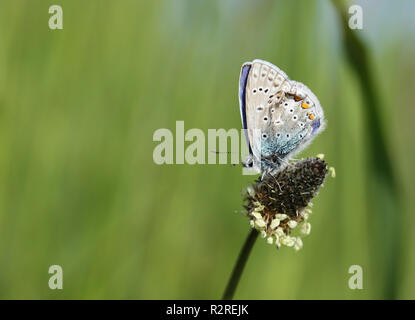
(243, 78)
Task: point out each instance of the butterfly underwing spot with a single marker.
(264, 71)
(255, 71)
(285, 86)
(275, 97)
(292, 91)
(288, 140)
(296, 97)
(278, 80)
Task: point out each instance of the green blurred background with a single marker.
(78, 186)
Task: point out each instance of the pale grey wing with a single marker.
(265, 87)
(299, 118)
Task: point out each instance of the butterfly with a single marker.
(280, 116)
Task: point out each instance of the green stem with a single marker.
(240, 264)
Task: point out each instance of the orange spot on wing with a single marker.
(310, 116)
(305, 105)
(297, 98)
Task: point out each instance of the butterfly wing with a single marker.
(246, 67)
(281, 116)
(265, 86)
(304, 119)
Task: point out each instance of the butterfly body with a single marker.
(281, 116)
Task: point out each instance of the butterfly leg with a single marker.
(266, 172)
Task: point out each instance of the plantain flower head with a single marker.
(279, 205)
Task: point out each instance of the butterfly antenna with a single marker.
(228, 152)
(219, 152)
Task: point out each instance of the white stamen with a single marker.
(250, 190)
(292, 224)
(288, 241)
(279, 232)
(277, 241)
(281, 216)
(306, 228)
(298, 244)
(275, 223)
(260, 223)
(332, 172)
(256, 215)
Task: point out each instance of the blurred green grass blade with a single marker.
(383, 211)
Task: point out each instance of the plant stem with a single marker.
(240, 264)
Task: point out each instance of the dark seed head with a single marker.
(277, 203)
(291, 189)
